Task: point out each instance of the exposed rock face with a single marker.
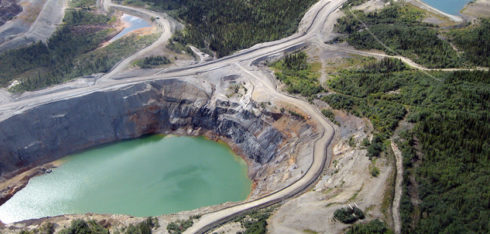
(8, 10)
(54, 130)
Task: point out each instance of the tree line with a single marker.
(228, 26)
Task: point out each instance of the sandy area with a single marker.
(347, 182)
(370, 6)
(477, 9)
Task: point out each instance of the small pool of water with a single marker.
(134, 23)
(143, 177)
(452, 7)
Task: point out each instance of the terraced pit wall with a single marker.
(53, 130)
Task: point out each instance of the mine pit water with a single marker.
(452, 7)
(144, 177)
(133, 22)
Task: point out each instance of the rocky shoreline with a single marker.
(262, 135)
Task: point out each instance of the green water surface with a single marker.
(144, 177)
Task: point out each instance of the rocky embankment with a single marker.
(54, 130)
(8, 10)
(276, 145)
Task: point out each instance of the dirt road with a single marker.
(162, 20)
(46, 23)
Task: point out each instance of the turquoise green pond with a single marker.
(449, 6)
(144, 177)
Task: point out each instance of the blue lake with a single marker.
(134, 23)
(449, 6)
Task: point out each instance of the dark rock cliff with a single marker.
(8, 10)
(51, 131)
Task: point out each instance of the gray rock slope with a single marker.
(54, 130)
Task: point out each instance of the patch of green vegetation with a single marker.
(354, 196)
(227, 26)
(348, 215)
(296, 115)
(373, 169)
(295, 72)
(137, 3)
(309, 231)
(375, 147)
(475, 42)
(255, 222)
(352, 142)
(400, 27)
(144, 227)
(450, 117)
(180, 226)
(409, 212)
(389, 190)
(73, 51)
(49, 63)
(84, 4)
(365, 142)
(153, 61)
(46, 228)
(177, 43)
(79, 226)
(353, 61)
(330, 115)
(383, 114)
(351, 3)
(372, 227)
(366, 92)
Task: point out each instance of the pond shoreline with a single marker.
(106, 159)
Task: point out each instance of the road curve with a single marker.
(321, 11)
(160, 19)
(315, 18)
(406, 60)
(46, 23)
(211, 220)
(317, 14)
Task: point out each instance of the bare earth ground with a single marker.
(398, 188)
(477, 9)
(370, 6)
(346, 181)
(36, 23)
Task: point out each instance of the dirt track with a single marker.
(50, 16)
(309, 32)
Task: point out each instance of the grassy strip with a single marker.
(73, 51)
(400, 27)
(295, 72)
(227, 26)
(371, 227)
(474, 41)
(451, 128)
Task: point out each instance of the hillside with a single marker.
(228, 26)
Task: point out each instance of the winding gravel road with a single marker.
(310, 31)
(162, 20)
(312, 23)
(50, 16)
